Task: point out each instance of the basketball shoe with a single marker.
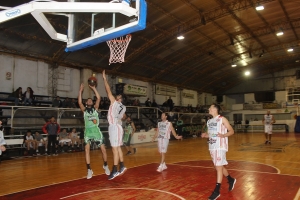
(214, 196)
(89, 174)
(106, 169)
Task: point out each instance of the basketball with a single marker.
(92, 81)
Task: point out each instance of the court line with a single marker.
(297, 197)
(126, 189)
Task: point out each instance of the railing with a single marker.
(259, 128)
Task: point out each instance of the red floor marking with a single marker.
(187, 182)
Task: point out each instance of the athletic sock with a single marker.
(115, 169)
(88, 166)
(217, 188)
(105, 163)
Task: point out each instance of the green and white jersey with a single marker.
(91, 122)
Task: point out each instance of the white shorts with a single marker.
(162, 145)
(115, 132)
(218, 157)
(268, 128)
(64, 140)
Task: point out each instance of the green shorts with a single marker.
(93, 135)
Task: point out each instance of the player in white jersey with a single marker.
(164, 129)
(114, 116)
(218, 131)
(268, 122)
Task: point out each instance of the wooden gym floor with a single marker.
(262, 172)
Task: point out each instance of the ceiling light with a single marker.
(180, 37)
(279, 33)
(247, 73)
(290, 50)
(297, 61)
(259, 7)
(233, 65)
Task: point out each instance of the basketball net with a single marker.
(118, 48)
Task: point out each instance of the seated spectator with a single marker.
(154, 104)
(16, 96)
(28, 96)
(39, 141)
(148, 103)
(73, 104)
(74, 138)
(29, 141)
(57, 102)
(64, 139)
(66, 103)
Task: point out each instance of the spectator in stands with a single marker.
(29, 141)
(148, 103)
(154, 104)
(39, 140)
(74, 138)
(66, 103)
(170, 103)
(136, 102)
(52, 129)
(28, 96)
(16, 96)
(64, 139)
(73, 104)
(57, 102)
(2, 141)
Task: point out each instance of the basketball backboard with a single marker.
(83, 23)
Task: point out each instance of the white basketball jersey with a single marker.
(116, 112)
(164, 129)
(215, 126)
(268, 119)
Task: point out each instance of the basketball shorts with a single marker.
(163, 144)
(93, 135)
(115, 132)
(268, 128)
(218, 157)
(127, 139)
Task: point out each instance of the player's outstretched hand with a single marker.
(204, 135)
(92, 87)
(178, 137)
(221, 135)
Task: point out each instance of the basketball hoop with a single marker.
(118, 48)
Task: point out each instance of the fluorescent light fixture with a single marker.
(180, 37)
(259, 7)
(233, 65)
(279, 33)
(247, 73)
(290, 50)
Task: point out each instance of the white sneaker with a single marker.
(164, 167)
(159, 169)
(106, 169)
(89, 174)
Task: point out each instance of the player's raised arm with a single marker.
(96, 106)
(81, 106)
(107, 88)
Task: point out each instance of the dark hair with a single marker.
(28, 131)
(218, 107)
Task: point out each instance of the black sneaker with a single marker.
(128, 153)
(214, 196)
(122, 170)
(113, 175)
(134, 150)
(269, 142)
(266, 142)
(231, 184)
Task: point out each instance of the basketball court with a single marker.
(262, 172)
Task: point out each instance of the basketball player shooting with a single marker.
(115, 114)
